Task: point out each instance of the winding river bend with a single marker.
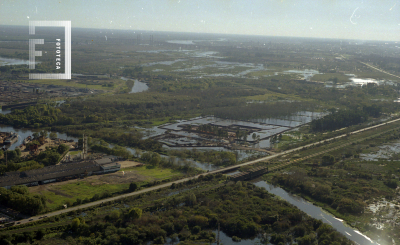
(318, 213)
(23, 133)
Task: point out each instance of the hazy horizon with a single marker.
(357, 20)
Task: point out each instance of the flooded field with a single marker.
(386, 213)
(185, 133)
(355, 81)
(203, 63)
(384, 152)
(9, 61)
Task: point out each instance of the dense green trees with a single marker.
(345, 118)
(133, 72)
(219, 158)
(261, 110)
(34, 116)
(327, 160)
(133, 186)
(135, 213)
(336, 196)
(48, 157)
(19, 198)
(243, 211)
(337, 120)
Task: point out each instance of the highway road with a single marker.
(373, 67)
(222, 170)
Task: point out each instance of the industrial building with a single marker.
(58, 173)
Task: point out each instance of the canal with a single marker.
(317, 213)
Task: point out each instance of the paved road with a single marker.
(239, 147)
(204, 174)
(373, 67)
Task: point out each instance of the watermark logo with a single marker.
(58, 59)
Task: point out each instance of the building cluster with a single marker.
(60, 172)
(17, 92)
(13, 92)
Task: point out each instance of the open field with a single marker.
(61, 193)
(341, 78)
(78, 84)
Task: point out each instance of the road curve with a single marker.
(87, 205)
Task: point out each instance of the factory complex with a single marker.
(60, 172)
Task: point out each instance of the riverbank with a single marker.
(358, 223)
(317, 212)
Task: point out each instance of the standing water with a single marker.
(137, 86)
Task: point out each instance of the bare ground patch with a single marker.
(60, 193)
(122, 177)
(129, 164)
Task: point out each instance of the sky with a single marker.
(341, 19)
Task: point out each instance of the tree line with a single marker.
(19, 199)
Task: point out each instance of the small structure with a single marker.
(4, 219)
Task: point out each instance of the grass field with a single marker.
(61, 193)
(157, 173)
(341, 78)
(73, 153)
(273, 96)
(75, 84)
(69, 193)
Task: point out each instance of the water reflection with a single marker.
(137, 86)
(317, 213)
(10, 61)
(5, 111)
(24, 133)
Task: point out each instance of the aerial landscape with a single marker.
(200, 122)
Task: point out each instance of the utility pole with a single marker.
(84, 148)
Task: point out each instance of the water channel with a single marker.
(300, 203)
(5, 111)
(318, 213)
(23, 133)
(137, 86)
(11, 61)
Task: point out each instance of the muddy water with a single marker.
(317, 213)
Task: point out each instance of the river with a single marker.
(137, 86)
(23, 133)
(5, 111)
(10, 61)
(318, 213)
